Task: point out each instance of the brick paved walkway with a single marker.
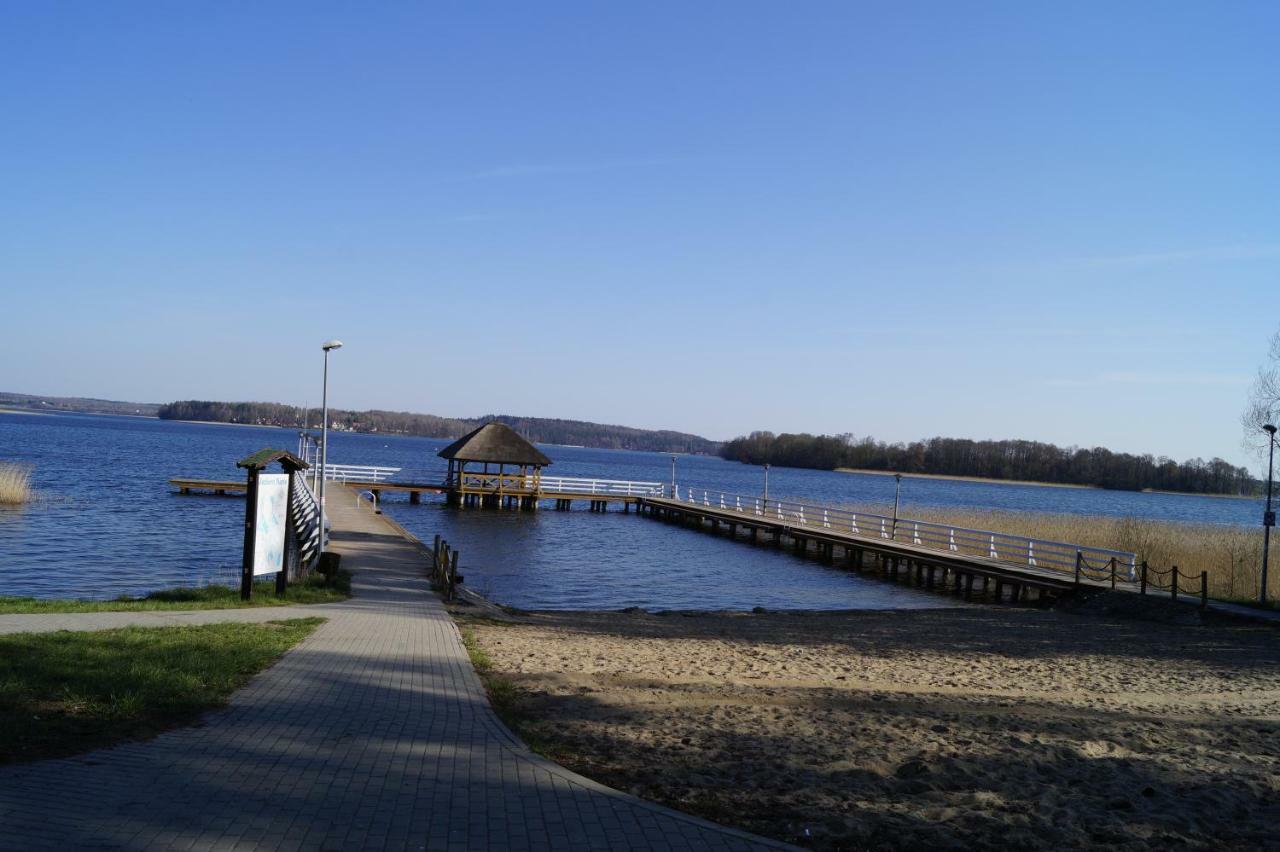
(374, 733)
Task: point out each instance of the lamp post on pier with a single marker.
(766, 483)
(1268, 517)
(897, 494)
(674, 495)
(327, 346)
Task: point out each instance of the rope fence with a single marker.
(1170, 580)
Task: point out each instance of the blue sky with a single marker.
(1047, 221)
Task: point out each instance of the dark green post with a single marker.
(250, 535)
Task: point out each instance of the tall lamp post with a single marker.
(897, 494)
(766, 484)
(1269, 517)
(327, 346)
(674, 495)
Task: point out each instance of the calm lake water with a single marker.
(107, 522)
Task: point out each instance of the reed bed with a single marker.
(15, 483)
(1232, 556)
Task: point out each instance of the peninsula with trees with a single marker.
(1019, 460)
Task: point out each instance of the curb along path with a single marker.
(373, 733)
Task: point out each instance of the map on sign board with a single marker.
(273, 504)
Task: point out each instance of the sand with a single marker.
(979, 728)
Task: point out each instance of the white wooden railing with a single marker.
(1016, 549)
(515, 484)
(603, 487)
(358, 472)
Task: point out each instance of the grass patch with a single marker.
(313, 590)
(1272, 605)
(69, 692)
(509, 702)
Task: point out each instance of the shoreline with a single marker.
(979, 479)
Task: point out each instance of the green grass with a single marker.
(508, 702)
(311, 591)
(69, 692)
(1271, 604)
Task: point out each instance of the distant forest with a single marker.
(538, 429)
(85, 405)
(1028, 460)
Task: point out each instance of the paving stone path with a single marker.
(373, 733)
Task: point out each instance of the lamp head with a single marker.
(1269, 428)
(331, 344)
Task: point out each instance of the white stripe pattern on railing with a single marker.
(1014, 549)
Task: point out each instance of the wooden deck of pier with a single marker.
(563, 497)
(923, 566)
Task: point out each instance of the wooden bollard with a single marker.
(453, 576)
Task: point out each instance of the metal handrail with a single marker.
(1004, 547)
(373, 498)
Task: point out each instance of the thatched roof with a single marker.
(496, 443)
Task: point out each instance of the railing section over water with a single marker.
(1014, 549)
(517, 483)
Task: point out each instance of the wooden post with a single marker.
(1143, 575)
(1079, 559)
(250, 535)
(1173, 582)
(1113, 572)
(1204, 589)
(453, 576)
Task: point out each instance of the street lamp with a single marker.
(674, 495)
(1269, 517)
(766, 485)
(897, 494)
(327, 346)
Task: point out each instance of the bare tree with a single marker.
(1263, 405)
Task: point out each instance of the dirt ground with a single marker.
(975, 728)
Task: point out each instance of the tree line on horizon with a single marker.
(1010, 459)
(542, 430)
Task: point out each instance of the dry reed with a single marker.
(1232, 556)
(15, 483)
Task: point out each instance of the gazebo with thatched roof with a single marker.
(497, 447)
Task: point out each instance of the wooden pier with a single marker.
(925, 567)
(473, 491)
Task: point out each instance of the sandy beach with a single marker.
(977, 728)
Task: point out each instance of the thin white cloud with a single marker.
(1212, 253)
(1145, 378)
(544, 169)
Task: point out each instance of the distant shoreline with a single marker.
(1036, 484)
(1199, 494)
(967, 478)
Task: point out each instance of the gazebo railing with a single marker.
(529, 484)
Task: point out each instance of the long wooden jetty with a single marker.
(477, 489)
(910, 561)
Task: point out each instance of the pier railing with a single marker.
(305, 514)
(524, 484)
(1003, 547)
(358, 472)
(601, 487)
